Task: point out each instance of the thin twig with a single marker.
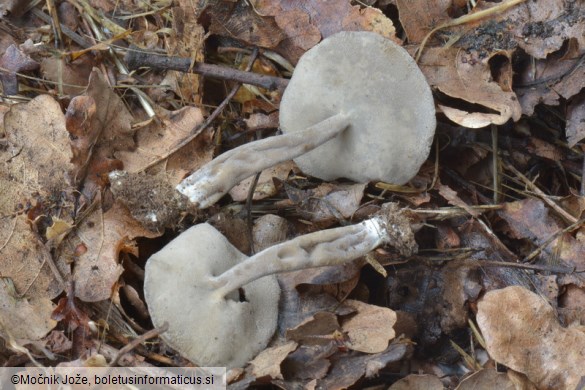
(137, 341)
(196, 131)
(136, 58)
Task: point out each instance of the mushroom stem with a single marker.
(319, 249)
(208, 184)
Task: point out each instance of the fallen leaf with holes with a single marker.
(370, 329)
(522, 332)
(157, 139)
(531, 219)
(419, 17)
(265, 186)
(416, 382)
(105, 235)
(21, 318)
(99, 124)
(305, 23)
(267, 363)
(472, 97)
(486, 379)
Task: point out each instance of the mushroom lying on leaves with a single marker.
(356, 107)
(222, 306)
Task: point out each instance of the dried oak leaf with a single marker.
(466, 78)
(522, 332)
(419, 17)
(305, 23)
(530, 219)
(105, 235)
(157, 139)
(21, 318)
(370, 329)
(27, 261)
(267, 363)
(100, 126)
(36, 159)
(73, 75)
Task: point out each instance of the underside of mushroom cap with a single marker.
(387, 96)
(205, 328)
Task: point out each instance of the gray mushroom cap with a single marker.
(205, 327)
(388, 100)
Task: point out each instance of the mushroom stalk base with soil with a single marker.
(207, 185)
(222, 306)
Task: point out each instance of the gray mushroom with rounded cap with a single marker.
(356, 107)
(194, 283)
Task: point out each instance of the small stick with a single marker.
(137, 341)
(135, 58)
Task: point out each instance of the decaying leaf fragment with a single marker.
(21, 318)
(105, 235)
(522, 332)
(370, 329)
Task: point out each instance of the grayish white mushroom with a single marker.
(194, 284)
(356, 107)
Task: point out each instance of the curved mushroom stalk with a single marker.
(320, 249)
(365, 116)
(193, 283)
(207, 185)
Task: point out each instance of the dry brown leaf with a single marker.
(265, 186)
(74, 75)
(467, 76)
(530, 219)
(462, 75)
(576, 120)
(328, 203)
(21, 318)
(522, 332)
(416, 382)
(239, 20)
(269, 230)
(99, 124)
(316, 330)
(187, 41)
(105, 235)
(25, 259)
(487, 379)
(370, 329)
(157, 139)
(451, 196)
(267, 363)
(348, 369)
(305, 23)
(13, 61)
(419, 17)
(36, 160)
(572, 305)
